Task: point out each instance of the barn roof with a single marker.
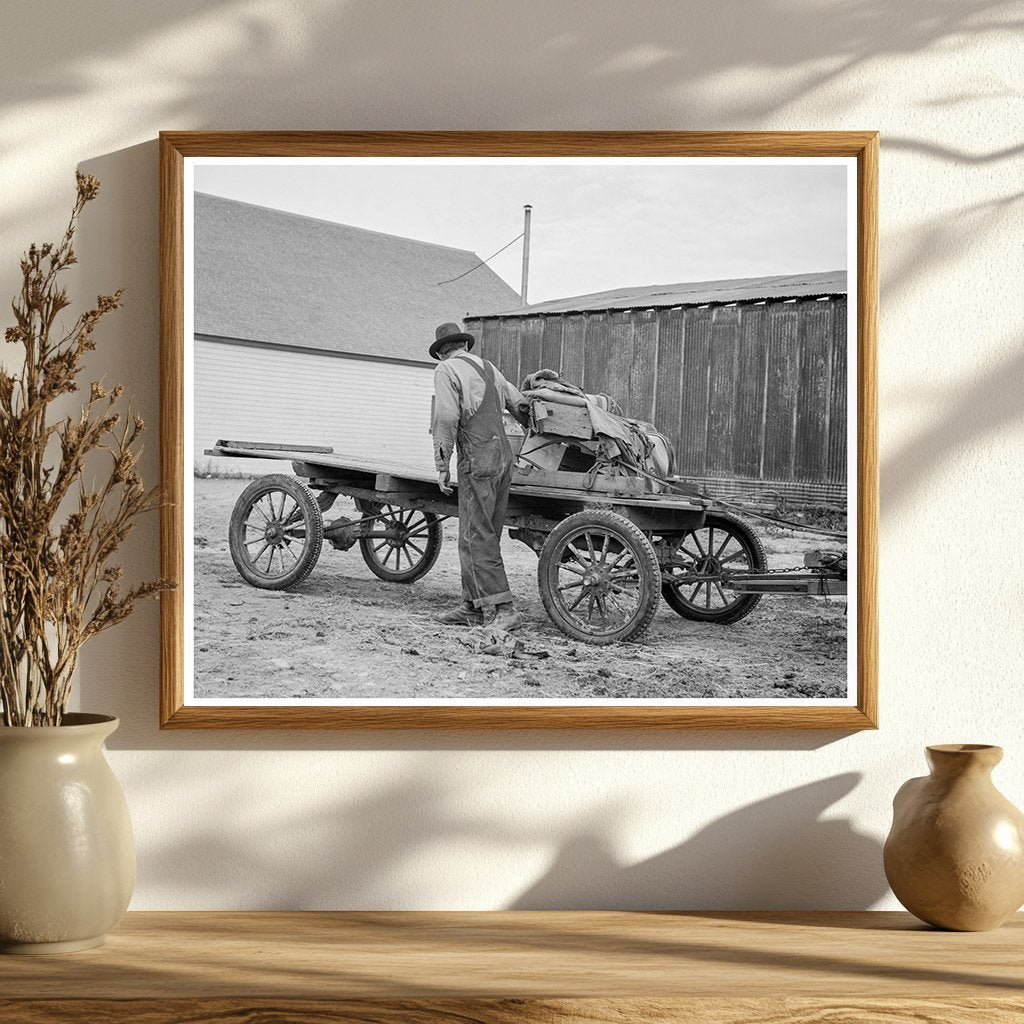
(269, 276)
(696, 293)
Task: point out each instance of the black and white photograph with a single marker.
(535, 430)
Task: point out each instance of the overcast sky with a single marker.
(594, 228)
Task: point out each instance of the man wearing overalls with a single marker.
(470, 396)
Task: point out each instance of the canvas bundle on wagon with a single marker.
(594, 494)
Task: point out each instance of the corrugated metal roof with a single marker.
(275, 277)
(696, 293)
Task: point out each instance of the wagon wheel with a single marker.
(723, 545)
(598, 577)
(409, 548)
(276, 532)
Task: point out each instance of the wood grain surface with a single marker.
(515, 1011)
(176, 146)
(524, 966)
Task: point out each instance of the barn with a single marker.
(312, 332)
(746, 377)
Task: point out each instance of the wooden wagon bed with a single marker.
(393, 475)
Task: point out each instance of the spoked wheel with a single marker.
(404, 545)
(599, 577)
(703, 560)
(276, 532)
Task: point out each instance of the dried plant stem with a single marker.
(58, 587)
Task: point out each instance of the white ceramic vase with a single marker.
(67, 855)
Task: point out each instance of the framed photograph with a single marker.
(519, 430)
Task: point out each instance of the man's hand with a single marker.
(444, 477)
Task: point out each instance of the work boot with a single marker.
(504, 617)
(464, 615)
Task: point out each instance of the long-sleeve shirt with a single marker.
(458, 392)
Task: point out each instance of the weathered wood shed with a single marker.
(746, 377)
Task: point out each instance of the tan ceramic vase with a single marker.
(955, 854)
(67, 856)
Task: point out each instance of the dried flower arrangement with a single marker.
(58, 588)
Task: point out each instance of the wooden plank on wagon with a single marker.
(556, 420)
(569, 483)
(388, 483)
(268, 447)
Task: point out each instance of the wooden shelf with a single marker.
(505, 968)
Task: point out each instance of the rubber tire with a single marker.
(312, 519)
(435, 538)
(758, 563)
(647, 561)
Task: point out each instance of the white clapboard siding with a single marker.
(365, 407)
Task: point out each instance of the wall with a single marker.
(750, 394)
(261, 393)
(631, 820)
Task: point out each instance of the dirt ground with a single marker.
(345, 633)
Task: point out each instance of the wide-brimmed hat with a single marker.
(450, 332)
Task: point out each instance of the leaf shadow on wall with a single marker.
(777, 853)
(989, 404)
(939, 243)
(398, 844)
(535, 64)
(314, 65)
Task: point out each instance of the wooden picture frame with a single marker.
(176, 147)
